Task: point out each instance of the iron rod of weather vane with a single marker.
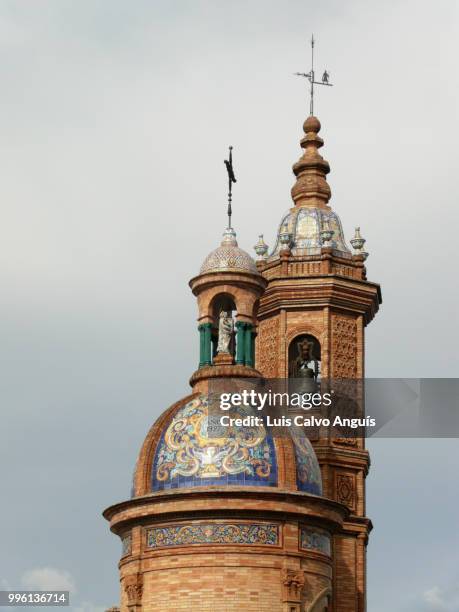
(230, 186)
(311, 108)
(311, 78)
(231, 180)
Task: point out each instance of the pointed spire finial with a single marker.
(311, 187)
(231, 180)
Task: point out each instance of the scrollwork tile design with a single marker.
(187, 456)
(166, 536)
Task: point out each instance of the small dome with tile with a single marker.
(304, 224)
(228, 257)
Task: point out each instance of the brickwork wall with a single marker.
(213, 589)
(223, 581)
(345, 593)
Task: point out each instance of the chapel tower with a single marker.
(318, 301)
(235, 519)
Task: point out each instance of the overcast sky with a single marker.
(115, 118)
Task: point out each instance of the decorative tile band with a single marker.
(315, 540)
(263, 534)
(126, 545)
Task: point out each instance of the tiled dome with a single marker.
(228, 257)
(305, 223)
(178, 453)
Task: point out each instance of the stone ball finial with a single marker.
(312, 124)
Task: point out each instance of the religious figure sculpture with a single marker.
(299, 367)
(225, 332)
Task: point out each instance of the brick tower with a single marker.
(317, 293)
(244, 520)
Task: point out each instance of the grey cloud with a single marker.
(115, 120)
(48, 578)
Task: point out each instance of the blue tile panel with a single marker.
(308, 475)
(316, 540)
(126, 545)
(259, 534)
(186, 456)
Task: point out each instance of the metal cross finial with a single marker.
(231, 180)
(311, 77)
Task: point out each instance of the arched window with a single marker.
(304, 357)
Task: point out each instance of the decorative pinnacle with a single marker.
(231, 180)
(229, 237)
(358, 243)
(285, 238)
(312, 78)
(326, 234)
(261, 248)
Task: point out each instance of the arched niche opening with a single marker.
(226, 338)
(304, 357)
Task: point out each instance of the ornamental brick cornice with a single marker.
(242, 287)
(359, 526)
(288, 293)
(233, 279)
(327, 261)
(227, 501)
(343, 457)
(221, 372)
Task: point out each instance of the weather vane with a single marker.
(311, 77)
(231, 180)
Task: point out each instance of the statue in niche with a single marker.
(300, 366)
(225, 332)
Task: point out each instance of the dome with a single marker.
(304, 223)
(228, 257)
(179, 453)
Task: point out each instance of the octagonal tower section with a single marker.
(318, 296)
